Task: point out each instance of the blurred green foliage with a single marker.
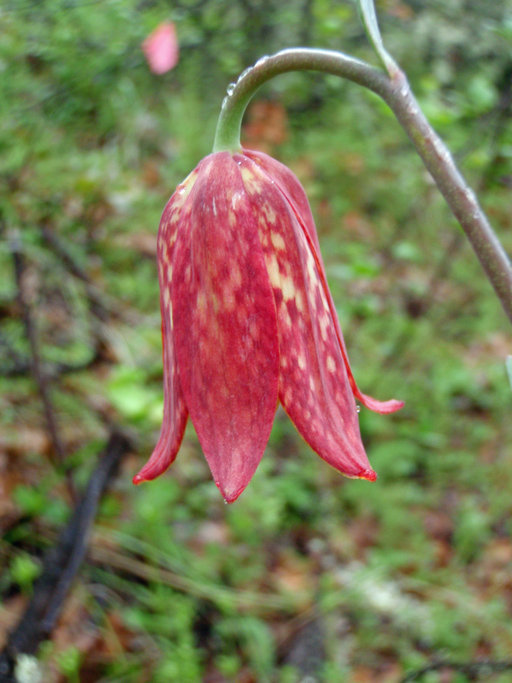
(182, 588)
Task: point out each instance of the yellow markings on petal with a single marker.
(269, 212)
(301, 361)
(167, 296)
(273, 271)
(312, 273)
(324, 325)
(172, 325)
(263, 237)
(331, 365)
(284, 315)
(252, 183)
(284, 362)
(163, 254)
(299, 302)
(287, 288)
(174, 216)
(169, 272)
(231, 218)
(284, 283)
(204, 304)
(182, 192)
(277, 240)
(235, 200)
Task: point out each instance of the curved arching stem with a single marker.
(395, 91)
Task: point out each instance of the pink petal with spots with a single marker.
(313, 385)
(225, 326)
(173, 220)
(296, 198)
(161, 48)
(290, 187)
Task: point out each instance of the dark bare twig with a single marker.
(477, 669)
(62, 563)
(18, 365)
(35, 361)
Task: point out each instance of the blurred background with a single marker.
(308, 576)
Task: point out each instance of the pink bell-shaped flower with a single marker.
(247, 321)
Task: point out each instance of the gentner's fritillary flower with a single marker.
(247, 321)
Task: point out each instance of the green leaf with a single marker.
(371, 25)
(509, 369)
(24, 571)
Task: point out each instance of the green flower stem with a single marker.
(227, 136)
(395, 91)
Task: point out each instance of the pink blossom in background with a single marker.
(161, 48)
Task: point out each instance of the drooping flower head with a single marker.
(247, 321)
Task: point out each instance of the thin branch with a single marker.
(35, 363)
(397, 94)
(62, 563)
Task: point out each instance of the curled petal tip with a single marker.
(383, 407)
(392, 405)
(137, 479)
(368, 474)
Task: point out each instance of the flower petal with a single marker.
(225, 326)
(292, 190)
(174, 218)
(314, 388)
(289, 185)
(161, 48)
